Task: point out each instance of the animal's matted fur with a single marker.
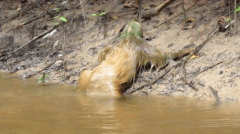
(118, 65)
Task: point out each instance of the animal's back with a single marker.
(109, 77)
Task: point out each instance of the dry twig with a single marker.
(35, 38)
(215, 94)
(153, 12)
(139, 11)
(197, 49)
(85, 23)
(153, 82)
(188, 9)
(235, 17)
(184, 14)
(210, 67)
(29, 21)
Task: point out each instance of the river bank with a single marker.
(74, 46)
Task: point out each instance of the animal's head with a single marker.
(132, 30)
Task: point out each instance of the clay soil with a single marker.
(74, 45)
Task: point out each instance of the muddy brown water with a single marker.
(29, 108)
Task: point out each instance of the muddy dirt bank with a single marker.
(74, 46)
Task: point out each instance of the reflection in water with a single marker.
(27, 108)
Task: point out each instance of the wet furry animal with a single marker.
(118, 65)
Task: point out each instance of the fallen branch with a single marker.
(139, 12)
(197, 49)
(184, 14)
(29, 21)
(34, 39)
(190, 84)
(215, 94)
(186, 10)
(235, 18)
(210, 67)
(85, 23)
(153, 12)
(153, 82)
(194, 52)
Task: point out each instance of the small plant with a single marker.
(238, 9)
(60, 19)
(43, 78)
(228, 19)
(99, 14)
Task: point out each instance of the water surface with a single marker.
(30, 108)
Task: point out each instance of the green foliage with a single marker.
(64, 19)
(94, 14)
(43, 78)
(99, 14)
(102, 13)
(238, 9)
(59, 19)
(228, 19)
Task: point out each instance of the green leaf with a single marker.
(238, 9)
(40, 80)
(102, 13)
(64, 19)
(94, 14)
(55, 23)
(228, 19)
